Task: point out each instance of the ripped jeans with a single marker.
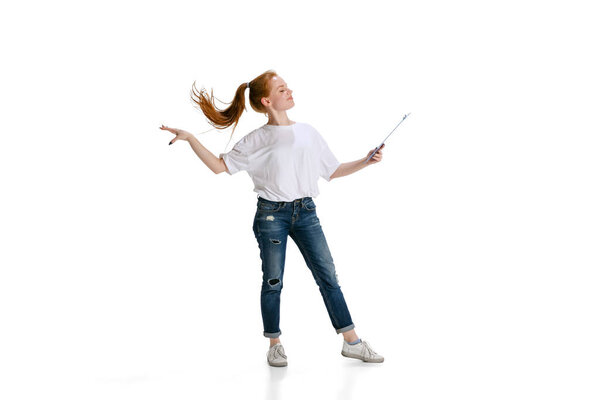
(273, 222)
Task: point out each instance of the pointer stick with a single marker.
(378, 147)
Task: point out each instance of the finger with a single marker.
(172, 130)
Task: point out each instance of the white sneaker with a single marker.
(361, 350)
(276, 356)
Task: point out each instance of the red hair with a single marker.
(221, 119)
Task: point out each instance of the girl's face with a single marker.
(280, 97)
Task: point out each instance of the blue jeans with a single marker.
(273, 222)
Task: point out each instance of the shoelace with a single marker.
(277, 349)
(368, 350)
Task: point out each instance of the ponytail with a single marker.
(259, 87)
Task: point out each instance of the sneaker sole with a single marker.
(278, 365)
(350, 355)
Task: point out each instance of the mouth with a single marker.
(291, 98)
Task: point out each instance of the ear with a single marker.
(265, 101)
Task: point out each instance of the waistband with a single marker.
(299, 200)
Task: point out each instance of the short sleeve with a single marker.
(237, 158)
(328, 163)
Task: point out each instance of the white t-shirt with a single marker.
(284, 161)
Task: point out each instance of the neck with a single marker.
(279, 119)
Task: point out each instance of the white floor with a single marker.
(438, 359)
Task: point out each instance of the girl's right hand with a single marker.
(180, 134)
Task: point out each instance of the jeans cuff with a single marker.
(272, 335)
(345, 329)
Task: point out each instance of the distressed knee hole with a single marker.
(275, 241)
(273, 282)
(270, 218)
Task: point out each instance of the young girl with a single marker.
(284, 159)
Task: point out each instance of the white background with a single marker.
(468, 256)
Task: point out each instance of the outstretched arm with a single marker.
(216, 165)
(353, 166)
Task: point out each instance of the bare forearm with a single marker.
(206, 156)
(349, 168)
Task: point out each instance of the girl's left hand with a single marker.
(180, 134)
(377, 157)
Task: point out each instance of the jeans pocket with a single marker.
(268, 206)
(310, 205)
